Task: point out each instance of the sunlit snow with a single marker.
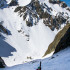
(23, 2)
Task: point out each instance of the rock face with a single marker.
(35, 11)
(2, 64)
(64, 42)
(3, 29)
(13, 3)
(61, 41)
(63, 5)
(54, 1)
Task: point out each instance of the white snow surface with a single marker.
(23, 2)
(40, 37)
(61, 61)
(18, 48)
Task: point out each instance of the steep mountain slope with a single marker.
(20, 34)
(64, 42)
(32, 28)
(61, 41)
(51, 16)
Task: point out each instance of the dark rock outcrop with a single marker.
(13, 3)
(68, 9)
(64, 42)
(2, 63)
(61, 41)
(63, 5)
(55, 1)
(3, 29)
(34, 11)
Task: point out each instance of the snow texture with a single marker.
(25, 41)
(23, 2)
(59, 61)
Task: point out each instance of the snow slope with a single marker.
(24, 41)
(23, 2)
(40, 37)
(61, 61)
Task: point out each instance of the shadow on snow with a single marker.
(5, 48)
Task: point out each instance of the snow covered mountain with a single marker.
(28, 27)
(48, 12)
